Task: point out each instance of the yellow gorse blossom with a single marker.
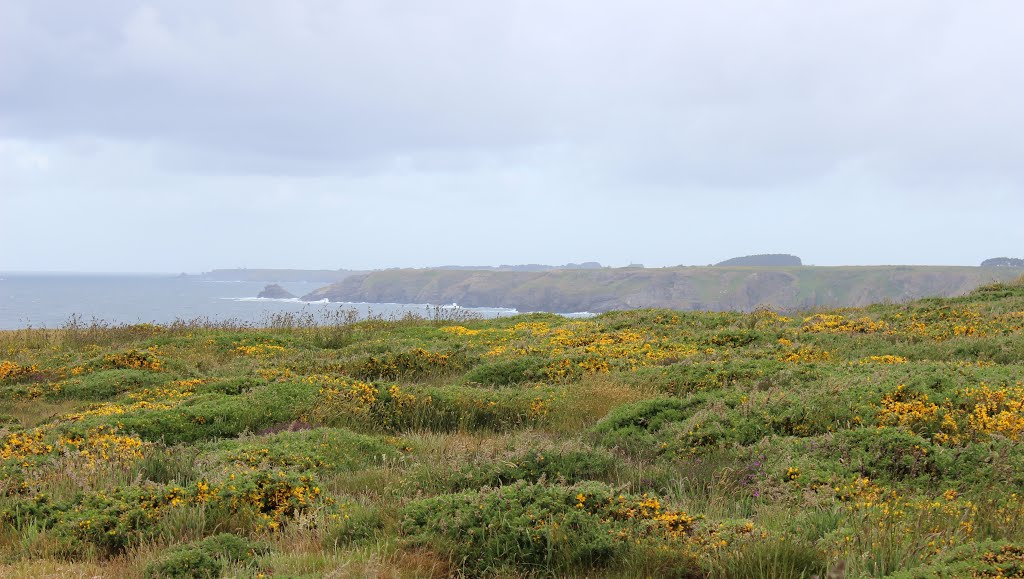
(460, 331)
(11, 371)
(135, 359)
(259, 350)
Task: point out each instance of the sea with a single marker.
(52, 300)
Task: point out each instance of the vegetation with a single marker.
(718, 288)
(886, 441)
(763, 259)
(1003, 262)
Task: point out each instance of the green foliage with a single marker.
(889, 438)
(509, 372)
(91, 522)
(231, 386)
(981, 559)
(208, 557)
(535, 465)
(356, 523)
(744, 374)
(390, 408)
(170, 465)
(211, 416)
(322, 449)
(106, 523)
(185, 563)
(633, 427)
(755, 558)
(414, 364)
(233, 549)
(527, 527)
(106, 384)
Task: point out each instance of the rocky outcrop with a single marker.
(763, 260)
(276, 292)
(680, 288)
(1003, 262)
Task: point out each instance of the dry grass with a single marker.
(590, 400)
(31, 413)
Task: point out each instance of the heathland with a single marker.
(885, 441)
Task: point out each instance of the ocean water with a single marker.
(50, 300)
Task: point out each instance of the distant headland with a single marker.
(718, 288)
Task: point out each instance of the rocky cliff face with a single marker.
(681, 288)
(275, 291)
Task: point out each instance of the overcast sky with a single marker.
(187, 135)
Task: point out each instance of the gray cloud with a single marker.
(579, 107)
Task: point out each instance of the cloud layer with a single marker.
(363, 134)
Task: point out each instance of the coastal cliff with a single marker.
(681, 288)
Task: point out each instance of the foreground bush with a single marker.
(106, 524)
(527, 526)
(207, 558)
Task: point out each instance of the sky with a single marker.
(187, 135)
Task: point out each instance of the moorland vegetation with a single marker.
(886, 441)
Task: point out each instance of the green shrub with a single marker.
(329, 449)
(233, 549)
(107, 522)
(389, 408)
(732, 338)
(210, 416)
(207, 558)
(553, 465)
(529, 527)
(980, 559)
(355, 523)
(888, 454)
(769, 559)
(689, 378)
(186, 563)
(106, 384)
(231, 386)
(414, 364)
(170, 465)
(633, 427)
(509, 372)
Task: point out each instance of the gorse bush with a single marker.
(564, 466)
(533, 526)
(208, 557)
(509, 372)
(185, 563)
(391, 407)
(104, 384)
(683, 379)
(633, 427)
(205, 416)
(321, 449)
(357, 523)
(414, 364)
(108, 522)
(13, 372)
(883, 441)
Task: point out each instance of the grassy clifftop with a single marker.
(681, 288)
(886, 441)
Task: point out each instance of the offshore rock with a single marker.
(276, 292)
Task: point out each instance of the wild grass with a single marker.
(857, 443)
